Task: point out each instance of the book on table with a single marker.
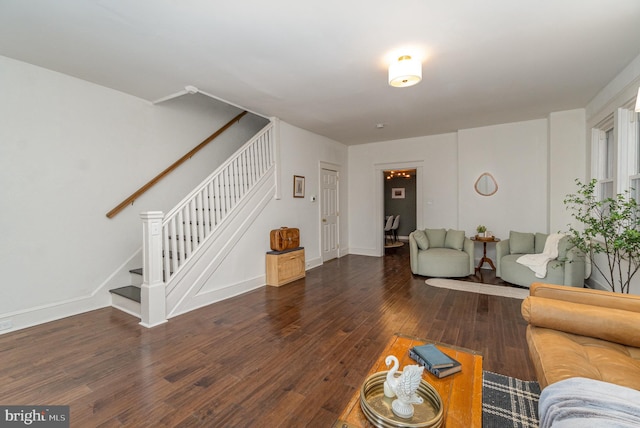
(438, 372)
(433, 356)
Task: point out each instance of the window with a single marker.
(629, 143)
(615, 149)
(603, 157)
(606, 189)
(634, 156)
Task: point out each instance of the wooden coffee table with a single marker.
(461, 392)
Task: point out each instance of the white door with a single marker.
(329, 213)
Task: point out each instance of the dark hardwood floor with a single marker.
(276, 357)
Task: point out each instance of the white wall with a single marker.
(531, 186)
(567, 141)
(516, 155)
(69, 152)
(436, 159)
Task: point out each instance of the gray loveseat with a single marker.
(441, 253)
(567, 269)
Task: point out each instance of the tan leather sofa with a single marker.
(579, 332)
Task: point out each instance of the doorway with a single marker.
(329, 214)
(400, 194)
(378, 216)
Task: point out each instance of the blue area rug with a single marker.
(509, 402)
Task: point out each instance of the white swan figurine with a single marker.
(405, 389)
(392, 381)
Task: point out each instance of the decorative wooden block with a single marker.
(285, 266)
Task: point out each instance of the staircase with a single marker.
(184, 247)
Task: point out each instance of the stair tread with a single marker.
(138, 271)
(130, 292)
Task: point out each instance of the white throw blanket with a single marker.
(579, 402)
(538, 262)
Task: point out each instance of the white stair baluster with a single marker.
(200, 213)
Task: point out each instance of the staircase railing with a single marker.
(197, 216)
(135, 195)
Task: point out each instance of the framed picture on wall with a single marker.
(397, 193)
(298, 186)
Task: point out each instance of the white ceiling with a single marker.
(322, 65)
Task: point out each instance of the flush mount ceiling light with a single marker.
(406, 71)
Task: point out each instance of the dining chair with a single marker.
(387, 228)
(394, 228)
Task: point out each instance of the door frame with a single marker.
(333, 167)
(379, 186)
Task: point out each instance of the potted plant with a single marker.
(611, 227)
(481, 230)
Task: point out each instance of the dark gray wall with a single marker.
(406, 207)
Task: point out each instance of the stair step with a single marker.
(130, 292)
(138, 271)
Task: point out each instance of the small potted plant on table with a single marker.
(481, 231)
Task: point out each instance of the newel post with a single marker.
(153, 297)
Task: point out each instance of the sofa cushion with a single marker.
(521, 243)
(454, 239)
(558, 355)
(541, 239)
(443, 262)
(611, 325)
(563, 246)
(436, 237)
(421, 239)
(516, 273)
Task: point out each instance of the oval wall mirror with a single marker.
(486, 185)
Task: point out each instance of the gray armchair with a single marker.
(441, 253)
(567, 269)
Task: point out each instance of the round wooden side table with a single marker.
(485, 259)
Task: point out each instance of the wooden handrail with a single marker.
(122, 205)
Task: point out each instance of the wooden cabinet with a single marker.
(285, 266)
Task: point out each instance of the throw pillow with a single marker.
(521, 243)
(454, 239)
(421, 239)
(436, 237)
(541, 240)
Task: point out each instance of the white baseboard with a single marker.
(313, 263)
(225, 292)
(364, 252)
(99, 298)
(54, 311)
